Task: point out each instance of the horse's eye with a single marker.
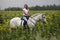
(43, 17)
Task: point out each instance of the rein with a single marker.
(32, 21)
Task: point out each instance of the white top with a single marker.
(25, 11)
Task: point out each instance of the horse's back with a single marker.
(15, 22)
(16, 18)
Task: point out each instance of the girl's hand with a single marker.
(29, 15)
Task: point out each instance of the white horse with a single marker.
(31, 22)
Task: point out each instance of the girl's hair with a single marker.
(26, 6)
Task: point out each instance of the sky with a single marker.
(20, 3)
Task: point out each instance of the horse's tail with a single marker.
(11, 23)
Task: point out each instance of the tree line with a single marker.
(48, 7)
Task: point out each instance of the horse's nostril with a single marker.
(44, 22)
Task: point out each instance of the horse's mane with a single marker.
(35, 14)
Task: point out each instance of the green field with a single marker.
(48, 31)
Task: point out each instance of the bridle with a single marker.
(43, 16)
(32, 21)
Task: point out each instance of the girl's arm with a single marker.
(28, 12)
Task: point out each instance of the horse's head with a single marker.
(43, 18)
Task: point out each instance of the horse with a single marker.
(31, 21)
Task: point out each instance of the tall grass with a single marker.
(48, 31)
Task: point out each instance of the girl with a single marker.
(25, 15)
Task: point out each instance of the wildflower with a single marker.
(0, 28)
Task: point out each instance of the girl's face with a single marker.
(26, 6)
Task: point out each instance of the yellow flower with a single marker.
(10, 29)
(0, 28)
(46, 23)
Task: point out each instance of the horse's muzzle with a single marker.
(44, 22)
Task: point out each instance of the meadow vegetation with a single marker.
(48, 31)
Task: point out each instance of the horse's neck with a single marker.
(36, 18)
